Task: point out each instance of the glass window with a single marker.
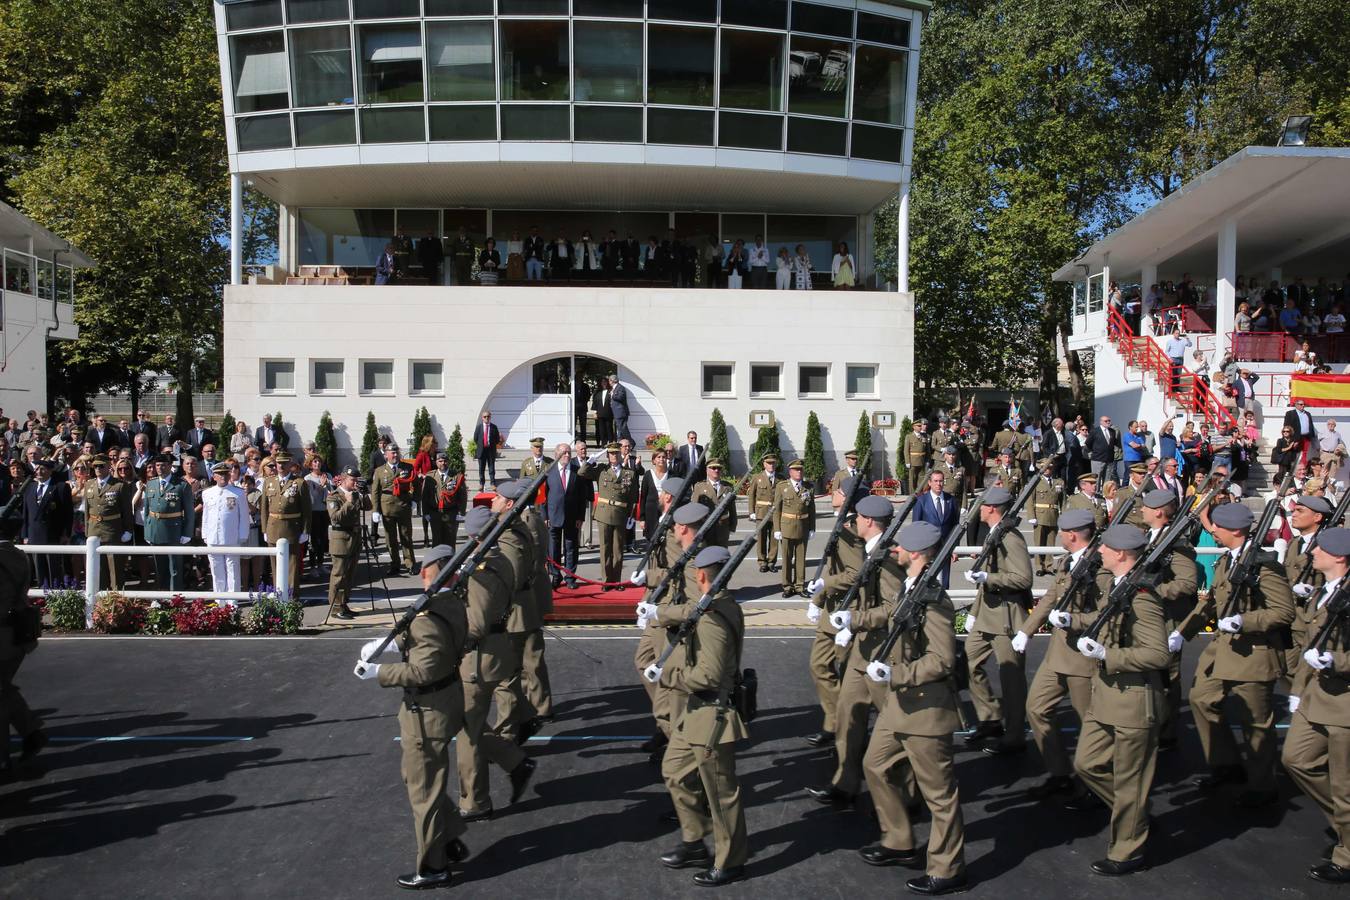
(263, 132)
(879, 85)
(278, 376)
(385, 9)
(377, 376)
(756, 13)
(259, 72)
(862, 381)
(680, 65)
(533, 7)
(818, 77)
(18, 273)
(683, 10)
(609, 123)
(822, 19)
(536, 123)
(818, 234)
(718, 379)
(418, 223)
(766, 379)
(813, 380)
(253, 14)
(351, 238)
(608, 61)
(609, 9)
(816, 136)
(298, 11)
(325, 128)
(428, 377)
(459, 7)
(552, 376)
(752, 70)
(883, 29)
(680, 126)
(395, 125)
(881, 144)
(473, 221)
(460, 61)
(391, 64)
(326, 376)
(321, 60)
(534, 60)
(750, 131)
(464, 123)
(744, 227)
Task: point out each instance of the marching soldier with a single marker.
(1306, 517)
(536, 462)
(444, 500)
(1045, 503)
(1005, 438)
(19, 633)
(431, 714)
(1000, 610)
(710, 493)
(915, 725)
(391, 498)
(285, 512)
(703, 739)
(1005, 474)
(1176, 590)
(917, 448)
(659, 563)
(1118, 748)
(850, 470)
(170, 519)
(794, 523)
(759, 500)
(1134, 488)
(1088, 498)
(345, 505)
(955, 475)
(617, 495)
(108, 517)
(525, 700)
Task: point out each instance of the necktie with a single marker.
(42, 489)
(563, 474)
(937, 502)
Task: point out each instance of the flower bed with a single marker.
(115, 613)
(885, 487)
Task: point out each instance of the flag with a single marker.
(1320, 390)
(1014, 414)
(970, 410)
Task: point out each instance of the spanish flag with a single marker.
(1320, 390)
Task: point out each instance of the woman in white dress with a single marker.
(801, 269)
(784, 273)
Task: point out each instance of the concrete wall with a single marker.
(23, 350)
(657, 338)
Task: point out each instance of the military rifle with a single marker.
(668, 519)
(1337, 516)
(1007, 523)
(1243, 573)
(1338, 609)
(873, 559)
(1085, 570)
(696, 544)
(860, 488)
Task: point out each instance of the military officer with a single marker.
(1118, 748)
(1005, 438)
(941, 439)
(850, 470)
(170, 521)
(1133, 488)
(1305, 518)
(616, 500)
(710, 493)
(1006, 474)
(794, 523)
(917, 448)
(915, 726)
(225, 523)
(391, 498)
(536, 462)
(431, 713)
(759, 501)
(1088, 498)
(284, 512)
(525, 700)
(444, 500)
(972, 447)
(1241, 664)
(1176, 590)
(1000, 610)
(1045, 503)
(1022, 450)
(955, 475)
(108, 516)
(703, 739)
(14, 646)
(345, 505)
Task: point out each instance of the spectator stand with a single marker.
(1187, 391)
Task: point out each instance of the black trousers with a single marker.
(562, 544)
(487, 464)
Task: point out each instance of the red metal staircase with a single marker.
(1186, 390)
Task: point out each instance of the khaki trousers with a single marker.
(1317, 758)
(1117, 764)
(1256, 717)
(1048, 688)
(1044, 536)
(1012, 676)
(340, 581)
(1168, 732)
(716, 767)
(426, 769)
(858, 695)
(823, 673)
(914, 476)
(612, 540)
(526, 694)
(767, 548)
(794, 564)
(475, 747)
(398, 529)
(931, 764)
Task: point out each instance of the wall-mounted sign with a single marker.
(761, 418)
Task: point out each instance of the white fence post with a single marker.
(91, 576)
(284, 569)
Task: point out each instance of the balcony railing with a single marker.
(1278, 346)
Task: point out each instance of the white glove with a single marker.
(184, 540)
(970, 624)
(366, 670)
(841, 619)
(596, 457)
(304, 538)
(1318, 661)
(1091, 649)
(652, 673)
(642, 622)
(977, 577)
(1059, 618)
(843, 637)
(810, 534)
(1174, 642)
(369, 647)
(1031, 521)
(126, 537)
(1019, 643)
(646, 610)
(878, 671)
(459, 518)
(1303, 589)
(778, 535)
(376, 518)
(754, 518)
(1293, 704)
(631, 522)
(815, 587)
(639, 578)
(1231, 624)
(813, 614)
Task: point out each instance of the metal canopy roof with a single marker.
(16, 228)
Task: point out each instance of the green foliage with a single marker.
(901, 467)
(225, 432)
(277, 422)
(369, 442)
(66, 607)
(325, 442)
(766, 443)
(271, 615)
(455, 450)
(420, 429)
(813, 458)
(717, 442)
(160, 619)
(862, 442)
(116, 613)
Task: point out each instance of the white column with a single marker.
(236, 229)
(902, 242)
(1148, 276)
(1225, 277)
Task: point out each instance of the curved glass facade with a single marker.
(752, 74)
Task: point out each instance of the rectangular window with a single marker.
(752, 70)
(259, 62)
(816, 136)
(536, 123)
(344, 237)
(377, 376)
(822, 19)
(391, 64)
(755, 13)
(608, 9)
(321, 63)
(459, 7)
(535, 61)
(818, 77)
(325, 128)
(427, 377)
(385, 9)
(460, 61)
(766, 380)
(278, 376)
(862, 381)
(879, 85)
(608, 61)
(680, 64)
(299, 11)
(875, 142)
(680, 126)
(464, 123)
(263, 132)
(813, 380)
(396, 125)
(326, 376)
(750, 131)
(533, 7)
(612, 124)
(683, 10)
(883, 29)
(253, 14)
(719, 379)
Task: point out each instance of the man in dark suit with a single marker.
(144, 426)
(567, 498)
(581, 398)
(124, 433)
(265, 434)
(618, 406)
(685, 463)
(102, 437)
(604, 413)
(167, 434)
(1102, 444)
(199, 436)
(1301, 421)
(937, 507)
(486, 436)
(47, 514)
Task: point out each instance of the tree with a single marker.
(766, 443)
(901, 465)
(278, 424)
(455, 450)
(717, 441)
(227, 427)
(813, 452)
(370, 441)
(325, 442)
(420, 429)
(862, 441)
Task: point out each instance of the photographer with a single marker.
(344, 503)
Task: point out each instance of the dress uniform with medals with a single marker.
(444, 500)
(1045, 503)
(794, 522)
(285, 512)
(759, 501)
(955, 475)
(391, 492)
(616, 498)
(710, 493)
(536, 462)
(225, 523)
(345, 506)
(1088, 498)
(1006, 474)
(850, 470)
(940, 440)
(108, 516)
(170, 521)
(917, 447)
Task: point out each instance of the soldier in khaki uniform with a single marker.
(1307, 516)
(1317, 748)
(391, 495)
(710, 493)
(285, 511)
(536, 462)
(14, 647)
(616, 490)
(525, 698)
(759, 499)
(1006, 474)
(850, 470)
(1045, 503)
(703, 739)
(794, 523)
(1133, 488)
(955, 475)
(444, 500)
(1000, 609)
(108, 516)
(917, 447)
(972, 456)
(941, 439)
(345, 505)
(1022, 452)
(431, 714)
(653, 635)
(1088, 498)
(1176, 590)
(1241, 664)
(1005, 438)
(915, 726)
(1118, 748)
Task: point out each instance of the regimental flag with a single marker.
(1320, 390)
(1014, 414)
(970, 410)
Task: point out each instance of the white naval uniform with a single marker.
(225, 523)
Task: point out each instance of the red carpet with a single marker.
(587, 603)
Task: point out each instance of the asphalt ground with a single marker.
(264, 768)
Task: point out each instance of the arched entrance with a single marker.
(551, 397)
